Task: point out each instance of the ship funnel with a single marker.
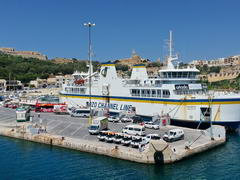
(108, 71)
(139, 72)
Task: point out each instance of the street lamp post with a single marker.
(89, 25)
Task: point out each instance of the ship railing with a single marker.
(186, 92)
(142, 85)
(179, 77)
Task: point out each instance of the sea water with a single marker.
(21, 159)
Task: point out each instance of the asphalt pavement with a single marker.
(75, 127)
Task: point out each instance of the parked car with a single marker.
(14, 106)
(136, 141)
(118, 138)
(125, 119)
(151, 125)
(113, 119)
(134, 130)
(174, 135)
(137, 119)
(101, 136)
(150, 137)
(109, 137)
(126, 141)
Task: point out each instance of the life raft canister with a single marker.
(79, 81)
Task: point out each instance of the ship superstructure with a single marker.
(175, 91)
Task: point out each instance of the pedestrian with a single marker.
(38, 115)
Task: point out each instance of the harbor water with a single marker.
(27, 160)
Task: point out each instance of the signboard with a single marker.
(113, 106)
(181, 87)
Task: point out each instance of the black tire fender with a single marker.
(158, 158)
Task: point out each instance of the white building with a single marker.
(3, 85)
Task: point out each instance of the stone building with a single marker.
(62, 60)
(24, 54)
(133, 60)
(38, 83)
(53, 81)
(3, 85)
(228, 72)
(60, 80)
(12, 85)
(228, 61)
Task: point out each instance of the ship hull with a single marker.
(224, 112)
(229, 125)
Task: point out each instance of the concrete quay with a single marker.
(156, 152)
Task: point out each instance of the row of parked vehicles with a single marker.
(126, 139)
(117, 119)
(170, 136)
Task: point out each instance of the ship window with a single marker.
(192, 74)
(67, 90)
(166, 93)
(179, 74)
(145, 92)
(169, 75)
(82, 91)
(174, 74)
(158, 93)
(135, 92)
(185, 74)
(148, 92)
(164, 74)
(153, 93)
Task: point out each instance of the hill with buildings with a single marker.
(26, 66)
(27, 69)
(24, 54)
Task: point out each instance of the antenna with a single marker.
(170, 44)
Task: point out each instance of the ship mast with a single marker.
(170, 57)
(170, 44)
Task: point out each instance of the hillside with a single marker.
(27, 69)
(232, 84)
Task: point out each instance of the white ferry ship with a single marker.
(175, 91)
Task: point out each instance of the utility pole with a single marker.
(89, 25)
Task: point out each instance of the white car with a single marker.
(136, 141)
(118, 138)
(102, 135)
(110, 137)
(150, 137)
(151, 125)
(126, 119)
(113, 119)
(126, 140)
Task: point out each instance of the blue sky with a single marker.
(202, 29)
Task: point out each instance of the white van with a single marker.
(134, 130)
(174, 135)
(84, 113)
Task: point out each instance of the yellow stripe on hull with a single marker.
(155, 102)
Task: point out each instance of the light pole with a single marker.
(89, 25)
